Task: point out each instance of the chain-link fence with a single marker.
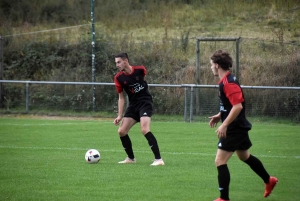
(276, 102)
(76, 97)
(55, 56)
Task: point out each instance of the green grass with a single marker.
(43, 159)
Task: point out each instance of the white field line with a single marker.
(169, 153)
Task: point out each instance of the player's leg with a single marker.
(145, 124)
(145, 112)
(254, 163)
(221, 160)
(125, 126)
(145, 128)
(123, 130)
(257, 166)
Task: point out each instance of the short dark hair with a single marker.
(122, 55)
(222, 58)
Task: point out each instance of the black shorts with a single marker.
(141, 109)
(235, 140)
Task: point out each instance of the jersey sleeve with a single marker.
(142, 68)
(119, 87)
(145, 71)
(234, 93)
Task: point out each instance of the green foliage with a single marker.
(56, 11)
(157, 34)
(166, 63)
(13, 96)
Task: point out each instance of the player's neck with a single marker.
(128, 70)
(222, 73)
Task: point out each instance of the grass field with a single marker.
(43, 159)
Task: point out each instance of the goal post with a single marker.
(198, 60)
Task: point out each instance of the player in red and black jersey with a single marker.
(233, 132)
(131, 80)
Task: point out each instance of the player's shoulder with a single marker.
(118, 74)
(230, 79)
(139, 67)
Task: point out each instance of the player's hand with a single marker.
(117, 120)
(214, 120)
(221, 131)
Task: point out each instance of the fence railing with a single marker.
(288, 98)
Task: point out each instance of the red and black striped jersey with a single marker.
(133, 84)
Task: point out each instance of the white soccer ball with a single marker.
(92, 156)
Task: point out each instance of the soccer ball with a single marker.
(92, 156)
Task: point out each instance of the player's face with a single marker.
(214, 68)
(120, 63)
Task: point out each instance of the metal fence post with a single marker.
(1, 72)
(93, 50)
(185, 104)
(198, 76)
(191, 106)
(237, 59)
(27, 97)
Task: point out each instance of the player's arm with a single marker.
(121, 103)
(234, 94)
(214, 120)
(234, 112)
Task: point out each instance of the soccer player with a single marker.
(131, 80)
(233, 132)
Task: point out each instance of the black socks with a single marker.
(224, 175)
(257, 166)
(126, 142)
(224, 180)
(153, 145)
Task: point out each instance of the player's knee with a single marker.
(219, 162)
(243, 158)
(145, 131)
(122, 132)
(243, 155)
